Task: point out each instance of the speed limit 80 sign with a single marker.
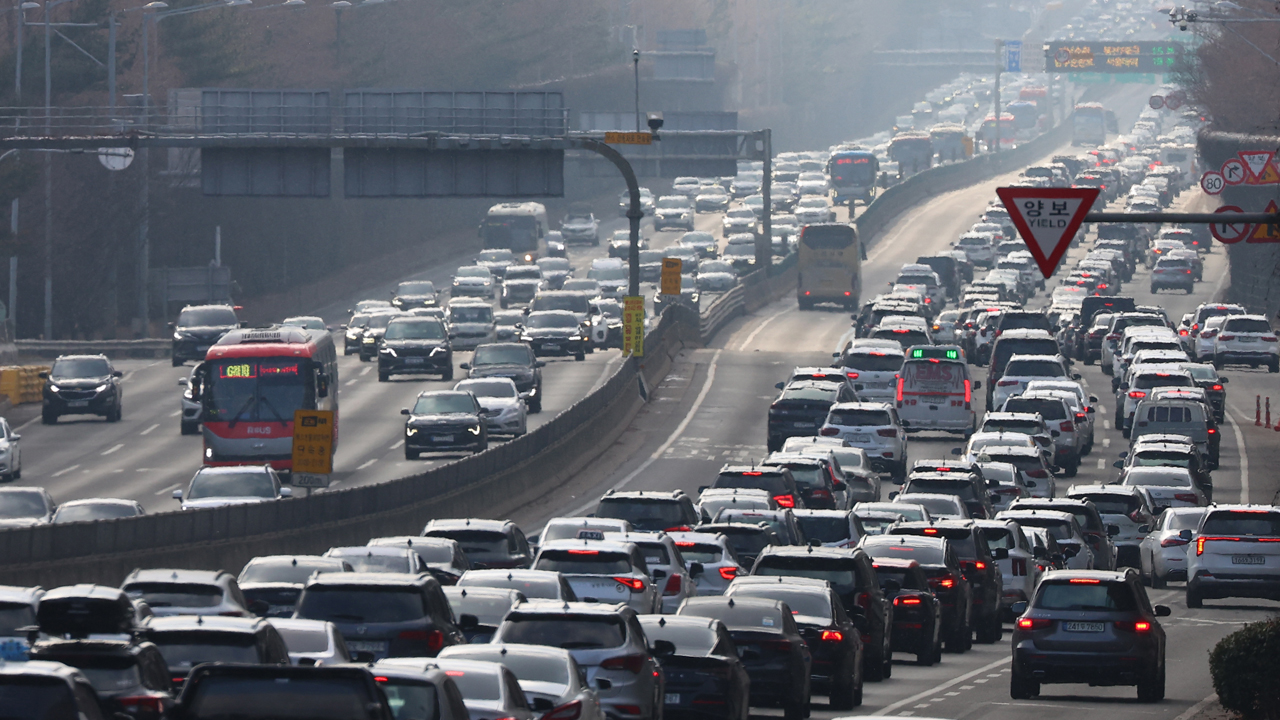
(1212, 182)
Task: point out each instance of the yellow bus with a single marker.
(829, 266)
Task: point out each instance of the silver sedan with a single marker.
(504, 408)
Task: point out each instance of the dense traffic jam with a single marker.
(825, 565)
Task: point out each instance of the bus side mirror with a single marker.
(322, 385)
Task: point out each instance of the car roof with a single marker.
(809, 551)
(368, 578)
(556, 607)
(19, 594)
(42, 668)
(209, 623)
(155, 575)
(1038, 512)
(1100, 575)
(468, 523)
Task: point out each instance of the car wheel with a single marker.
(114, 414)
(1194, 600)
(793, 712)
(1152, 691)
(843, 695)
(1274, 365)
(448, 373)
(365, 358)
(873, 666)
(410, 454)
(1158, 581)
(190, 428)
(955, 642)
(1217, 362)
(1073, 467)
(17, 474)
(1022, 689)
(580, 356)
(177, 362)
(991, 630)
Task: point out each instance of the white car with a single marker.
(1246, 340)
(666, 564)
(875, 428)
(1022, 369)
(1202, 344)
(1126, 508)
(712, 500)
(981, 441)
(1031, 464)
(504, 409)
(814, 209)
(812, 183)
(1084, 402)
(232, 485)
(673, 211)
(470, 324)
(940, 506)
(1141, 383)
(1167, 486)
(739, 219)
(473, 280)
(1018, 567)
(1163, 552)
(11, 450)
(687, 186)
(1055, 407)
(1227, 544)
(979, 247)
(567, 528)
(549, 676)
(716, 555)
(604, 570)
(1064, 528)
(873, 367)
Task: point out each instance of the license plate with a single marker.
(367, 646)
(441, 438)
(1248, 339)
(1083, 626)
(202, 348)
(802, 424)
(858, 438)
(550, 346)
(77, 403)
(672, 699)
(1248, 560)
(414, 361)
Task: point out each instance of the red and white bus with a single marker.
(250, 384)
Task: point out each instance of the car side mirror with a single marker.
(1118, 464)
(1070, 551)
(1185, 535)
(1144, 529)
(404, 411)
(1039, 552)
(286, 492)
(1223, 380)
(892, 588)
(1075, 376)
(957, 451)
(1030, 483)
(1163, 611)
(464, 366)
(364, 657)
(1093, 398)
(893, 495)
(43, 375)
(748, 654)
(659, 574)
(695, 570)
(177, 495)
(539, 363)
(15, 437)
(1113, 530)
(839, 486)
(1091, 409)
(977, 384)
(467, 621)
(664, 648)
(117, 374)
(1124, 386)
(182, 382)
(1054, 433)
(603, 684)
(994, 497)
(1019, 607)
(1000, 553)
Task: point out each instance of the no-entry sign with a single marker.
(1047, 219)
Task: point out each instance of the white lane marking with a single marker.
(113, 448)
(953, 681)
(965, 687)
(29, 422)
(166, 491)
(351, 382)
(1243, 453)
(671, 440)
(117, 470)
(1195, 709)
(760, 327)
(1102, 409)
(1101, 463)
(398, 445)
(982, 680)
(64, 471)
(367, 464)
(153, 427)
(366, 370)
(176, 413)
(1106, 442)
(1106, 424)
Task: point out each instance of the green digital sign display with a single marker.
(1139, 56)
(939, 353)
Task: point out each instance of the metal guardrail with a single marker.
(720, 311)
(147, 348)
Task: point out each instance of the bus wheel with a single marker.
(806, 304)
(410, 454)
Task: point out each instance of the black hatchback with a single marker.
(802, 407)
(82, 385)
(444, 420)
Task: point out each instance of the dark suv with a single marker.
(510, 360)
(853, 577)
(969, 487)
(82, 385)
(415, 345)
(1089, 626)
(978, 565)
(489, 544)
(802, 407)
(130, 677)
(382, 614)
(777, 481)
(186, 641)
(198, 328)
(945, 578)
(216, 692)
(650, 511)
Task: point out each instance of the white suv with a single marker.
(1140, 385)
(873, 369)
(1234, 553)
(875, 428)
(1246, 340)
(1021, 370)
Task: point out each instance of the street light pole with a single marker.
(48, 183)
(635, 61)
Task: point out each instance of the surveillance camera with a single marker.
(655, 121)
(1182, 26)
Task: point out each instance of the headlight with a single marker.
(54, 388)
(389, 351)
(474, 430)
(526, 338)
(436, 350)
(353, 333)
(100, 388)
(368, 340)
(397, 301)
(179, 336)
(410, 431)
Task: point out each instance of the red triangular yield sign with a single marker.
(1047, 219)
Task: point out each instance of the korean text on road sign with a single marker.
(671, 269)
(628, 138)
(633, 325)
(1047, 219)
(313, 441)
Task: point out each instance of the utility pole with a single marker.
(999, 68)
(48, 183)
(635, 61)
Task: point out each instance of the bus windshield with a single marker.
(828, 237)
(257, 389)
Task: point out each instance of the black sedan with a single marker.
(769, 642)
(705, 676)
(834, 638)
(444, 420)
(556, 332)
(917, 614)
(415, 345)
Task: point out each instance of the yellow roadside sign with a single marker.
(671, 269)
(312, 442)
(628, 138)
(633, 325)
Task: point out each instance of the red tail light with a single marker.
(1213, 431)
(1007, 383)
(979, 565)
(134, 705)
(179, 680)
(569, 711)
(673, 586)
(1067, 426)
(1199, 545)
(851, 375)
(968, 393)
(907, 600)
(1209, 333)
(635, 585)
(630, 663)
(1039, 474)
(832, 636)
(1033, 623)
(887, 432)
(786, 501)
(1174, 541)
(1137, 394)
(1081, 416)
(945, 581)
(433, 638)
(1217, 388)
(1183, 332)
(1113, 336)
(779, 646)
(1268, 338)
(900, 381)
(829, 431)
(728, 573)
(1084, 581)
(1226, 337)
(822, 493)
(679, 528)
(1019, 566)
(1185, 497)
(863, 600)
(1139, 626)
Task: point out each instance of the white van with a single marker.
(934, 390)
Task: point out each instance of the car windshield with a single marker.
(859, 418)
(415, 330)
(575, 303)
(699, 552)
(554, 264)
(962, 489)
(488, 609)
(500, 355)
(287, 698)
(296, 570)
(643, 513)
(37, 697)
(1112, 503)
(494, 256)
(565, 631)
(372, 604)
(1250, 523)
(1024, 427)
(380, 321)
(584, 561)
(14, 616)
(1079, 594)
(1049, 408)
(810, 604)
(873, 361)
(477, 685)
(108, 673)
(932, 554)
(22, 505)
(416, 288)
(820, 569)
(668, 203)
(365, 560)
(607, 273)
(188, 649)
(410, 699)
(300, 640)
(689, 641)
(231, 484)
(489, 388)
(827, 529)
(746, 616)
(551, 320)
(1056, 529)
(80, 368)
(470, 314)
(94, 511)
(1037, 368)
(205, 317)
(474, 271)
(715, 266)
(808, 475)
(444, 404)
